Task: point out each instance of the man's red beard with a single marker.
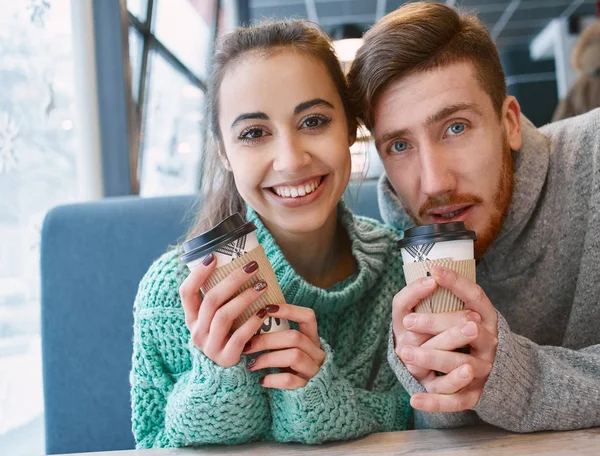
(502, 200)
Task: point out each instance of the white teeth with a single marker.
(452, 214)
(295, 192)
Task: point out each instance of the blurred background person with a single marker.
(584, 95)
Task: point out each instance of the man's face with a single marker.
(446, 151)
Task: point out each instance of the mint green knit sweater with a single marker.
(181, 398)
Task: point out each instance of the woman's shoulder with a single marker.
(378, 240)
(374, 229)
(160, 285)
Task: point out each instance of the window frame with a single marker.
(151, 43)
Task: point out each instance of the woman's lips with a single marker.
(297, 201)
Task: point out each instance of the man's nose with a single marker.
(437, 173)
(290, 155)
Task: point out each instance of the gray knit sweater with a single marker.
(543, 276)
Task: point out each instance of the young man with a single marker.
(430, 87)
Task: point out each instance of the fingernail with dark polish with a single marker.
(272, 308)
(261, 381)
(208, 259)
(248, 346)
(262, 313)
(260, 285)
(251, 362)
(250, 267)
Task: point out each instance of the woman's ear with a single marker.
(223, 157)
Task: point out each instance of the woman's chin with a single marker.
(298, 224)
(302, 225)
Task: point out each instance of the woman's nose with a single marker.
(290, 156)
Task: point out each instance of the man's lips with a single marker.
(446, 214)
(447, 211)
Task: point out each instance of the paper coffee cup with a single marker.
(233, 243)
(433, 242)
(449, 245)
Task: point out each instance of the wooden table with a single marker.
(483, 440)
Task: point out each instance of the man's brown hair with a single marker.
(419, 37)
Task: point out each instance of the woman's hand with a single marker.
(209, 320)
(298, 353)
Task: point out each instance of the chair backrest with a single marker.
(93, 256)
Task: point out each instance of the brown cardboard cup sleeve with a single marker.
(273, 295)
(442, 300)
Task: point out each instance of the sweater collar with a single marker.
(531, 168)
(369, 248)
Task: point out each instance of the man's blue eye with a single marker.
(456, 129)
(399, 146)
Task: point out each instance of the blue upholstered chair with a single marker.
(93, 256)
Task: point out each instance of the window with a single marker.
(170, 43)
(37, 172)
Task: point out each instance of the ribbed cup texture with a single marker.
(273, 295)
(442, 300)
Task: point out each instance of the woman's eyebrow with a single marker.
(249, 115)
(310, 103)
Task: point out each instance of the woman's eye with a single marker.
(253, 133)
(456, 129)
(314, 122)
(399, 146)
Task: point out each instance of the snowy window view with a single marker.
(37, 172)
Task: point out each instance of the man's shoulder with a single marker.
(575, 143)
(584, 127)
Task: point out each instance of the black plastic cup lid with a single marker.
(438, 232)
(226, 231)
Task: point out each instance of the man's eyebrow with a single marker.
(385, 137)
(249, 115)
(452, 109)
(310, 103)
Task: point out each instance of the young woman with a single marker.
(282, 125)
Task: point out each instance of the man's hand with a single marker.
(425, 343)
(414, 329)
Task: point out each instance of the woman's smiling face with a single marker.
(285, 137)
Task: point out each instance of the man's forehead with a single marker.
(417, 97)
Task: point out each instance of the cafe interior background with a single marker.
(104, 99)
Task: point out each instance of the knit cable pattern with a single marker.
(181, 398)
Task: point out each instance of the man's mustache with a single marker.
(449, 200)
